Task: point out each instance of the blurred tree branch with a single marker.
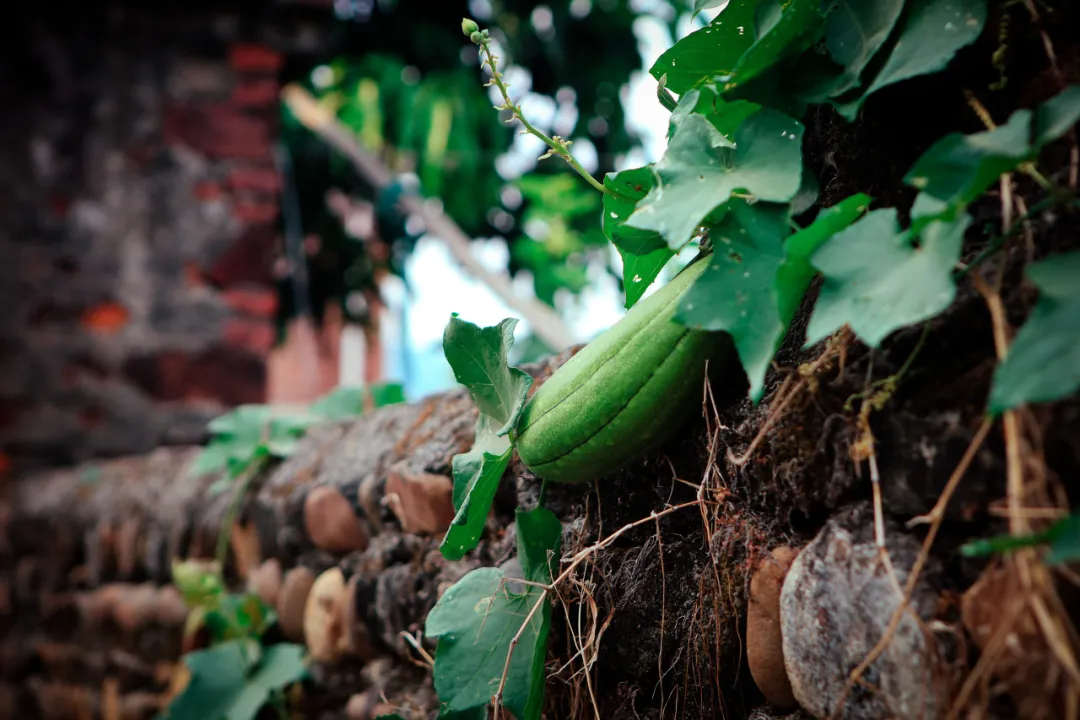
(544, 321)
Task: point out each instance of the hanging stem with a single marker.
(559, 146)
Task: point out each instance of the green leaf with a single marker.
(199, 583)
(212, 458)
(725, 115)
(1065, 544)
(476, 478)
(340, 403)
(877, 282)
(244, 421)
(928, 35)
(736, 293)
(958, 168)
(385, 394)
(700, 5)
(791, 27)
(795, 273)
(221, 688)
(1056, 116)
(478, 616)
(1043, 362)
(478, 358)
(640, 271)
(713, 50)
(644, 253)
(701, 169)
(854, 32)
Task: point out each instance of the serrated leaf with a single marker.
(790, 28)
(713, 50)
(478, 616)
(476, 479)
(700, 170)
(736, 293)
(1043, 362)
(644, 253)
(221, 687)
(876, 282)
(478, 357)
(928, 35)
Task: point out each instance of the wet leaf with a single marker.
(713, 50)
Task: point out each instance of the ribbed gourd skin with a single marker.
(622, 395)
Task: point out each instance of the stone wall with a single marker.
(138, 220)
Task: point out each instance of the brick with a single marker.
(219, 131)
(256, 336)
(255, 213)
(258, 302)
(252, 57)
(255, 93)
(206, 190)
(105, 319)
(226, 375)
(254, 179)
(250, 259)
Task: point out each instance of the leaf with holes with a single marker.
(644, 253)
(702, 168)
(476, 479)
(1043, 362)
(478, 357)
(736, 293)
(876, 281)
(713, 50)
(476, 619)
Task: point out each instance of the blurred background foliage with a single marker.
(400, 75)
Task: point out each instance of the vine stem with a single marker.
(558, 146)
(234, 509)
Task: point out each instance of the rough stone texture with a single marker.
(836, 603)
(137, 198)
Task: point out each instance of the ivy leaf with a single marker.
(1043, 362)
(211, 458)
(478, 358)
(221, 685)
(795, 273)
(783, 29)
(736, 293)
(958, 168)
(1056, 116)
(713, 50)
(877, 282)
(700, 5)
(702, 168)
(928, 35)
(854, 32)
(476, 478)
(478, 616)
(725, 115)
(644, 253)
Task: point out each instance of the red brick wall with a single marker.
(138, 214)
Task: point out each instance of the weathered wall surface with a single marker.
(138, 210)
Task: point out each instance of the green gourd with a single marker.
(623, 394)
